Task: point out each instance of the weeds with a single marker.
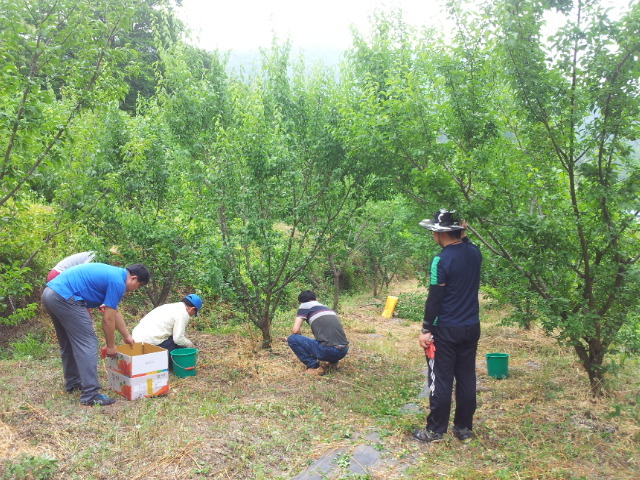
(29, 467)
(30, 346)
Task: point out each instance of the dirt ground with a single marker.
(252, 413)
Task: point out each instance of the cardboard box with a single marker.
(130, 388)
(142, 359)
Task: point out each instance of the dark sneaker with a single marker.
(101, 400)
(74, 389)
(462, 433)
(426, 436)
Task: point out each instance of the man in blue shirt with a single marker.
(67, 298)
(452, 324)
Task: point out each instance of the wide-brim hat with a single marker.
(443, 221)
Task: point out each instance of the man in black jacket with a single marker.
(452, 324)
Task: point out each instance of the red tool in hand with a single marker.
(103, 352)
(430, 351)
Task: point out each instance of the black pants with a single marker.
(455, 357)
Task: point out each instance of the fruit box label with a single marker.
(138, 387)
(142, 359)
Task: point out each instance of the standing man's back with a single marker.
(458, 268)
(452, 325)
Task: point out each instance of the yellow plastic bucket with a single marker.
(389, 307)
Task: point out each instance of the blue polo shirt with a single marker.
(458, 267)
(95, 283)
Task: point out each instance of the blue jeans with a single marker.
(309, 351)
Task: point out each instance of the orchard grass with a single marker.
(251, 414)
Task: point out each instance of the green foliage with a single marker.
(59, 59)
(390, 241)
(17, 280)
(242, 187)
(629, 338)
(531, 141)
(155, 28)
(220, 316)
(28, 467)
(12, 290)
(53, 69)
(142, 201)
(410, 306)
(195, 98)
(30, 346)
(574, 105)
(280, 186)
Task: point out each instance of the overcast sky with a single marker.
(247, 24)
(242, 25)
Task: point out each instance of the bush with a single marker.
(410, 306)
(13, 290)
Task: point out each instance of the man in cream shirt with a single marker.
(165, 326)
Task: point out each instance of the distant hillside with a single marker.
(244, 59)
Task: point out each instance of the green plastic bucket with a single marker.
(184, 362)
(497, 365)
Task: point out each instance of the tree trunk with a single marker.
(265, 328)
(336, 282)
(336, 290)
(159, 296)
(375, 285)
(374, 274)
(592, 358)
(528, 315)
(164, 293)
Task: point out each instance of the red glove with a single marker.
(430, 351)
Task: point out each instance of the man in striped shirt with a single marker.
(330, 343)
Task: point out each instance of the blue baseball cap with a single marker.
(193, 300)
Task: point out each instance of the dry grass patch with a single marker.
(252, 414)
(542, 422)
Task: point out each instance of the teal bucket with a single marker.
(184, 362)
(497, 365)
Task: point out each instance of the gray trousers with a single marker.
(78, 343)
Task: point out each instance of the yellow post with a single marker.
(389, 307)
